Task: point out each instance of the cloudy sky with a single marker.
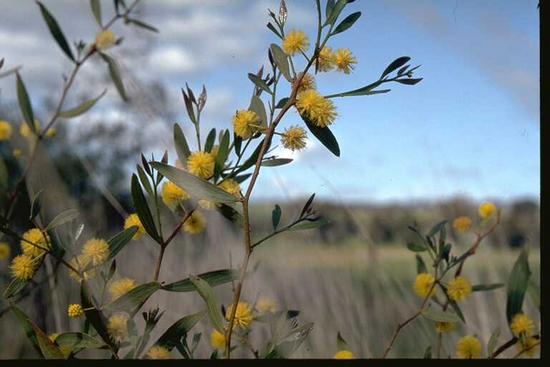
(470, 128)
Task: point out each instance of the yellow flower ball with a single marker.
(459, 289)
(344, 60)
(294, 42)
(326, 59)
(245, 123)
(173, 195)
(266, 305)
(32, 237)
(158, 352)
(294, 138)
(487, 210)
(5, 251)
(462, 224)
(231, 186)
(201, 164)
(120, 287)
(423, 285)
(75, 310)
(243, 315)
(51, 133)
(117, 326)
(522, 325)
(133, 221)
(25, 130)
(344, 354)
(528, 346)
(5, 130)
(23, 267)
(195, 224)
(318, 109)
(307, 82)
(17, 153)
(444, 327)
(96, 251)
(105, 39)
(468, 347)
(217, 340)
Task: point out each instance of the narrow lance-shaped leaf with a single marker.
(195, 186)
(335, 11)
(207, 294)
(82, 108)
(143, 25)
(142, 210)
(47, 347)
(118, 241)
(114, 71)
(420, 265)
(182, 148)
(257, 106)
(259, 82)
(27, 327)
(171, 337)
(276, 216)
(62, 218)
(435, 314)
(24, 102)
(223, 153)
(210, 139)
(324, 135)
(56, 31)
(281, 60)
(134, 297)
(347, 23)
(213, 278)
(394, 65)
(517, 285)
(309, 225)
(96, 10)
(274, 162)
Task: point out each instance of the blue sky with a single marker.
(470, 128)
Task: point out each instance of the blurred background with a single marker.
(468, 133)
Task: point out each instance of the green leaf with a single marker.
(213, 278)
(48, 349)
(62, 218)
(487, 287)
(251, 161)
(207, 294)
(428, 352)
(79, 341)
(114, 71)
(195, 186)
(346, 23)
(134, 297)
(363, 91)
(272, 29)
(24, 102)
(223, 153)
(182, 148)
(409, 81)
(15, 286)
(282, 102)
(256, 105)
(276, 162)
(143, 211)
(415, 247)
(82, 108)
(3, 176)
(276, 216)
(96, 10)
(395, 64)
(172, 336)
(27, 327)
(341, 342)
(210, 139)
(94, 316)
(439, 315)
(259, 82)
(308, 225)
(335, 11)
(118, 241)
(324, 135)
(143, 179)
(281, 60)
(143, 25)
(493, 340)
(56, 31)
(420, 265)
(457, 309)
(517, 285)
(437, 228)
(230, 214)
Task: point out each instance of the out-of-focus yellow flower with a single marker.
(201, 164)
(462, 224)
(5, 130)
(5, 251)
(245, 123)
(217, 340)
(326, 59)
(423, 285)
(487, 210)
(459, 289)
(32, 237)
(17, 153)
(25, 130)
(230, 186)
(51, 133)
(195, 224)
(266, 305)
(173, 195)
(344, 354)
(522, 325)
(295, 41)
(133, 221)
(75, 310)
(468, 347)
(294, 138)
(344, 60)
(307, 82)
(529, 346)
(120, 287)
(158, 352)
(243, 315)
(80, 263)
(444, 327)
(96, 251)
(117, 326)
(23, 267)
(105, 39)
(206, 204)
(318, 109)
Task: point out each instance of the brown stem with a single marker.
(159, 263)
(510, 343)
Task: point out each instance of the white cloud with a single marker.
(172, 59)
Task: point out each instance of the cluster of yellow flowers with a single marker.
(486, 211)
(523, 328)
(34, 244)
